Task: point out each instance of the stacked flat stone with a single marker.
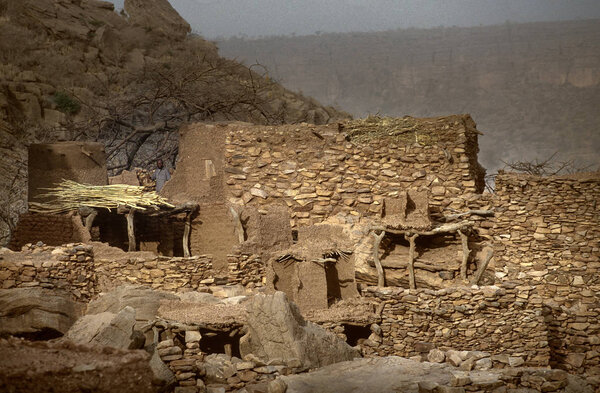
(318, 172)
(198, 373)
(70, 267)
(503, 320)
(546, 235)
(166, 273)
(248, 270)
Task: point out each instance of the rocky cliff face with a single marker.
(77, 70)
(533, 89)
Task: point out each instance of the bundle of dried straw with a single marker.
(70, 195)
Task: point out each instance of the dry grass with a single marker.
(70, 195)
(403, 130)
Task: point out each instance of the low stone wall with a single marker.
(70, 267)
(73, 267)
(169, 274)
(503, 320)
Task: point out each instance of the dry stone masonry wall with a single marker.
(247, 270)
(318, 171)
(505, 321)
(546, 235)
(166, 273)
(70, 267)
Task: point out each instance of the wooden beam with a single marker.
(131, 229)
(186, 235)
(464, 239)
(444, 228)
(380, 272)
(481, 213)
(89, 220)
(481, 269)
(237, 223)
(411, 259)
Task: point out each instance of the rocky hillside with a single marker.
(533, 89)
(78, 70)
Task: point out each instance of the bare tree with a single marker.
(139, 124)
(547, 167)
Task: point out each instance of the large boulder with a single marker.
(144, 300)
(37, 312)
(162, 374)
(277, 330)
(107, 330)
(388, 374)
(396, 374)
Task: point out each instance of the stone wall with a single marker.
(70, 267)
(50, 229)
(169, 274)
(504, 321)
(247, 270)
(318, 171)
(546, 235)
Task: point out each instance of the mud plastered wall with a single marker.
(317, 171)
(50, 229)
(505, 320)
(547, 235)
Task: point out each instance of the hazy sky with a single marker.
(212, 18)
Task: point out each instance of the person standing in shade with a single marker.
(161, 175)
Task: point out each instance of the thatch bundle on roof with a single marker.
(401, 130)
(70, 195)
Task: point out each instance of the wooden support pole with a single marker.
(186, 235)
(89, 220)
(481, 269)
(380, 273)
(464, 239)
(411, 259)
(130, 229)
(237, 223)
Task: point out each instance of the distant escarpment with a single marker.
(533, 89)
(78, 70)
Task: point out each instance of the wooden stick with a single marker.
(411, 259)
(445, 228)
(465, 249)
(237, 222)
(186, 235)
(89, 220)
(482, 213)
(481, 269)
(380, 273)
(131, 230)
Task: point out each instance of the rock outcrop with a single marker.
(143, 300)
(158, 15)
(396, 374)
(107, 330)
(277, 330)
(37, 312)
